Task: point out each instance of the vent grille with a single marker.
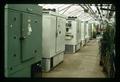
(69, 49)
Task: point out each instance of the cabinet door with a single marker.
(82, 31)
(90, 30)
(60, 41)
(31, 36)
(78, 32)
(12, 42)
(85, 30)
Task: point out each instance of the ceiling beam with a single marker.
(65, 8)
(99, 11)
(111, 12)
(107, 9)
(107, 15)
(92, 10)
(84, 9)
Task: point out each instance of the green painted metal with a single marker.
(25, 72)
(23, 38)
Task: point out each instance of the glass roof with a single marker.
(77, 10)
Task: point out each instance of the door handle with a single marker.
(56, 34)
(22, 38)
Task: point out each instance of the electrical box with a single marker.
(23, 39)
(53, 39)
(72, 38)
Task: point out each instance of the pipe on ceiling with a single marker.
(85, 9)
(111, 12)
(67, 9)
(99, 11)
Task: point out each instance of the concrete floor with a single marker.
(82, 64)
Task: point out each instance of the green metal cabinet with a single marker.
(23, 39)
(30, 28)
(12, 31)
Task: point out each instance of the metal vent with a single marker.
(69, 49)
